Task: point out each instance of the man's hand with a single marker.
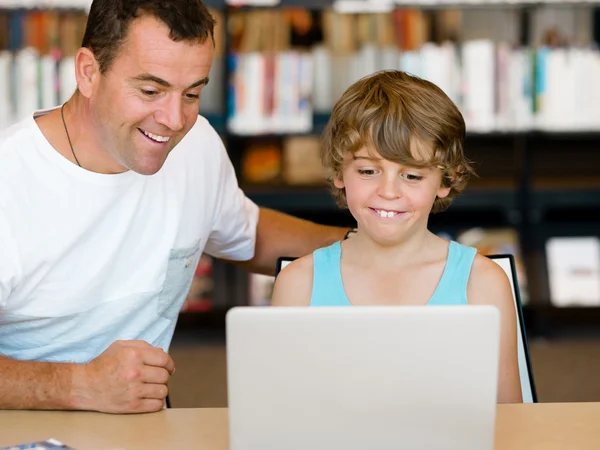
(128, 377)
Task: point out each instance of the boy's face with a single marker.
(389, 201)
(148, 99)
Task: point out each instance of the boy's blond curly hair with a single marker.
(406, 120)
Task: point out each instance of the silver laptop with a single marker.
(363, 378)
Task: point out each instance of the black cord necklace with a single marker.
(62, 114)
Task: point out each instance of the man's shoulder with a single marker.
(14, 141)
(17, 134)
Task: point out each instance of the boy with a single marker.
(394, 150)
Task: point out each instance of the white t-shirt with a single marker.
(88, 258)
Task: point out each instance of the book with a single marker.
(260, 289)
(302, 161)
(261, 162)
(50, 444)
(574, 271)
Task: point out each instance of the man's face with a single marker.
(148, 99)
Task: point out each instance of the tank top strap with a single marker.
(452, 288)
(328, 288)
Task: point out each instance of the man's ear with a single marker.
(87, 71)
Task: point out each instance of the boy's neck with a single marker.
(415, 248)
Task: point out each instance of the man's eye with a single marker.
(192, 96)
(148, 93)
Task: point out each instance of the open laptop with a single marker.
(507, 263)
(362, 378)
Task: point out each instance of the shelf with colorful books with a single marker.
(503, 79)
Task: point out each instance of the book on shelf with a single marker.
(260, 289)
(270, 93)
(261, 163)
(302, 161)
(574, 271)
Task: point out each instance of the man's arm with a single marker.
(280, 234)
(128, 377)
(35, 385)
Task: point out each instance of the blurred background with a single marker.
(524, 74)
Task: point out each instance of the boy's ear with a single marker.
(443, 192)
(338, 182)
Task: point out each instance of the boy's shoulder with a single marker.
(297, 271)
(293, 286)
(484, 267)
(487, 282)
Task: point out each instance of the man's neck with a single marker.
(76, 138)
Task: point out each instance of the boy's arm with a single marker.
(293, 286)
(488, 285)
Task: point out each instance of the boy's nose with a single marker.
(390, 188)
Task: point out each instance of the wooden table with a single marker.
(560, 426)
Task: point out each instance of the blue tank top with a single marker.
(328, 289)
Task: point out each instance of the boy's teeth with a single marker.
(156, 137)
(386, 214)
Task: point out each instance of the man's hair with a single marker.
(406, 120)
(109, 20)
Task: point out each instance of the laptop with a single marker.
(374, 378)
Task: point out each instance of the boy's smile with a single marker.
(387, 214)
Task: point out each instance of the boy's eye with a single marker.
(412, 177)
(367, 172)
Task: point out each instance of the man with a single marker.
(105, 207)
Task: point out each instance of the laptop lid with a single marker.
(362, 378)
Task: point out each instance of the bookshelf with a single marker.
(538, 177)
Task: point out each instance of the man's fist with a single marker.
(128, 377)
